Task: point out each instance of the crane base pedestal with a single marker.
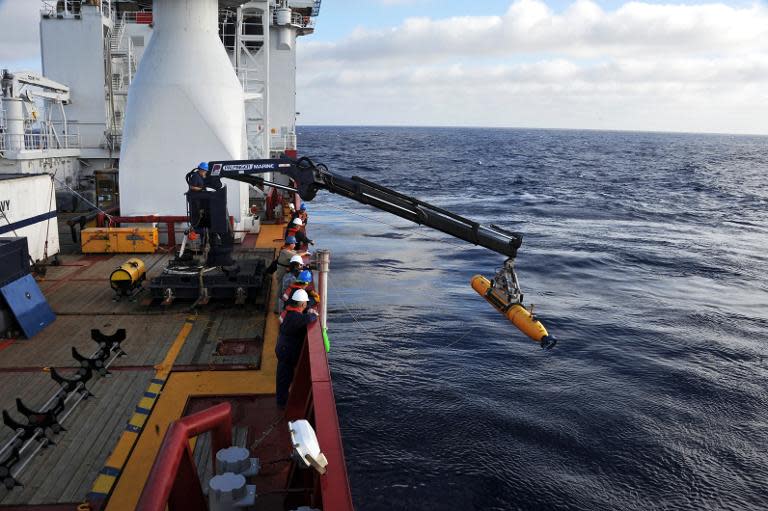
(179, 281)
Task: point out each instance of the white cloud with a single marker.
(584, 30)
(401, 2)
(641, 66)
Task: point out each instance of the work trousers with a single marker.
(287, 358)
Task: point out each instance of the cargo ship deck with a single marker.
(178, 361)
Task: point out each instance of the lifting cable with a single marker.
(94, 206)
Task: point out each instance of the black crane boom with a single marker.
(309, 178)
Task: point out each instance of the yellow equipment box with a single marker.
(119, 240)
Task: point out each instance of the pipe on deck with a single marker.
(173, 480)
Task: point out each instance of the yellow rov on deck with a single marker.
(127, 278)
(503, 291)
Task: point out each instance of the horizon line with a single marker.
(603, 130)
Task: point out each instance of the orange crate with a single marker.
(119, 240)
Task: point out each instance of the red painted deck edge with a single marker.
(335, 483)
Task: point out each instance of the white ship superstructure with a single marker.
(147, 90)
(150, 88)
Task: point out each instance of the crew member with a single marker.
(293, 331)
(301, 213)
(303, 281)
(295, 229)
(283, 262)
(196, 179)
(294, 269)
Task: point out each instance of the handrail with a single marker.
(143, 17)
(252, 83)
(173, 480)
(38, 141)
(281, 143)
(297, 20)
(72, 8)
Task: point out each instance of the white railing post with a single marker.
(323, 269)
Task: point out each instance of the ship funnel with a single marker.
(185, 105)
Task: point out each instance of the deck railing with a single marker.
(67, 8)
(282, 143)
(297, 20)
(137, 17)
(173, 482)
(38, 141)
(251, 79)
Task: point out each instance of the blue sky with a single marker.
(339, 17)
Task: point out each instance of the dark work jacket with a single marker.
(196, 180)
(293, 328)
(298, 214)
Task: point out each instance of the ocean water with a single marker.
(644, 253)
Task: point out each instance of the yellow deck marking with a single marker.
(116, 461)
(179, 387)
(165, 366)
(267, 237)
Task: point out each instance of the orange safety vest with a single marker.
(287, 310)
(306, 287)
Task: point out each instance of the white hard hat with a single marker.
(297, 259)
(298, 221)
(300, 296)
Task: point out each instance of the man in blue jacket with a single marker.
(196, 179)
(293, 331)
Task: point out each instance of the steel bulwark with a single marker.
(312, 398)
